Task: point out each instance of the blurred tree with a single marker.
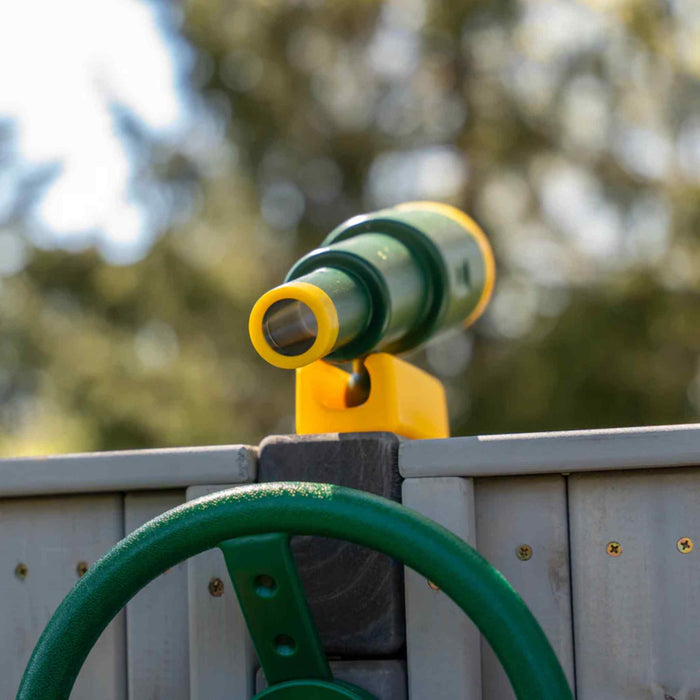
(569, 130)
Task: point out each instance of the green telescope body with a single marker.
(381, 282)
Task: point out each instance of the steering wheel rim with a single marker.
(297, 509)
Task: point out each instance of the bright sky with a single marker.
(63, 65)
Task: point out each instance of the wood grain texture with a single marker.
(553, 452)
(356, 595)
(637, 632)
(516, 511)
(442, 644)
(51, 536)
(127, 470)
(156, 618)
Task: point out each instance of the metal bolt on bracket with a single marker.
(81, 568)
(524, 552)
(685, 545)
(614, 549)
(21, 571)
(216, 587)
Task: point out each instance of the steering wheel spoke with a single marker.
(275, 608)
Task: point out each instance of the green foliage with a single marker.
(577, 152)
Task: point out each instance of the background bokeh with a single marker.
(162, 164)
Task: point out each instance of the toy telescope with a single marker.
(380, 283)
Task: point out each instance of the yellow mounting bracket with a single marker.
(402, 399)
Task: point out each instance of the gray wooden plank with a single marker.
(635, 615)
(554, 452)
(222, 659)
(129, 470)
(156, 618)
(51, 537)
(526, 512)
(442, 644)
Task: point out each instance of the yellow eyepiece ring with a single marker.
(322, 308)
(470, 225)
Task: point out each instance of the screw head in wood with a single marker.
(216, 587)
(524, 552)
(21, 571)
(685, 545)
(614, 549)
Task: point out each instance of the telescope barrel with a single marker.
(291, 327)
(384, 282)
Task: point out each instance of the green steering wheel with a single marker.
(246, 522)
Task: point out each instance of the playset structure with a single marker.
(239, 572)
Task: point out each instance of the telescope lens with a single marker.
(290, 327)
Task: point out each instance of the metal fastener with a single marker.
(524, 552)
(216, 587)
(21, 571)
(82, 568)
(685, 545)
(614, 549)
(433, 586)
